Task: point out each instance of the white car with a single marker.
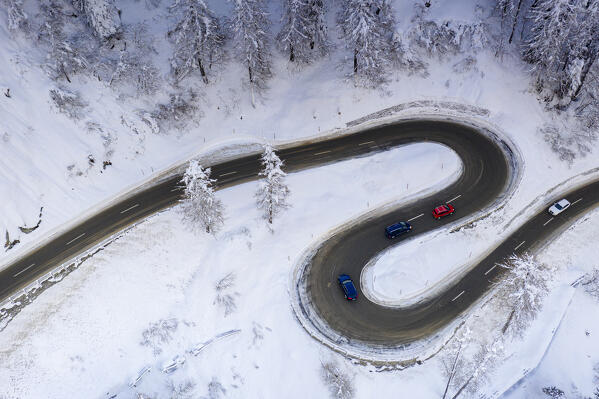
(559, 207)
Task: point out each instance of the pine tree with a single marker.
(102, 15)
(64, 59)
(198, 39)
(304, 34)
(250, 27)
(367, 28)
(202, 211)
(17, 18)
(522, 291)
(272, 193)
(586, 47)
(510, 11)
(562, 46)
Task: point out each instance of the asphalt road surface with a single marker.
(485, 176)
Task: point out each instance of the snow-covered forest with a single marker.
(557, 39)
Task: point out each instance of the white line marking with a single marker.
(27, 268)
(489, 271)
(545, 224)
(227, 174)
(415, 217)
(459, 295)
(366, 142)
(519, 245)
(455, 198)
(76, 238)
(579, 199)
(323, 152)
(175, 189)
(128, 209)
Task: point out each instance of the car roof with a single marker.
(441, 208)
(350, 287)
(397, 225)
(563, 202)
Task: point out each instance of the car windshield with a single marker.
(558, 206)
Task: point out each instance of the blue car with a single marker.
(349, 289)
(397, 229)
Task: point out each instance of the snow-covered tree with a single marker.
(468, 363)
(562, 46)
(367, 29)
(510, 11)
(250, 35)
(522, 290)
(272, 193)
(198, 39)
(586, 47)
(202, 211)
(17, 18)
(338, 381)
(63, 59)
(102, 15)
(304, 32)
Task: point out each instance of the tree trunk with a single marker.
(463, 387)
(65, 73)
(509, 320)
(452, 372)
(291, 54)
(585, 72)
(355, 62)
(515, 22)
(202, 71)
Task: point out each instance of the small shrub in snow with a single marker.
(159, 333)
(339, 382)
(181, 390)
(179, 111)
(68, 103)
(448, 38)
(567, 145)
(590, 283)
(554, 393)
(143, 76)
(202, 211)
(224, 297)
(404, 57)
(216, 390)
(437, 40)
(465, 65)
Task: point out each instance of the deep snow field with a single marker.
(84, 337)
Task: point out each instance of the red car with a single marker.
(442, 210)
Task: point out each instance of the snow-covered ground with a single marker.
(82, 338)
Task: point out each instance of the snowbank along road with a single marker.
(485, 176)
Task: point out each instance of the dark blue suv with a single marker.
(397, 229)
(349, 289)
